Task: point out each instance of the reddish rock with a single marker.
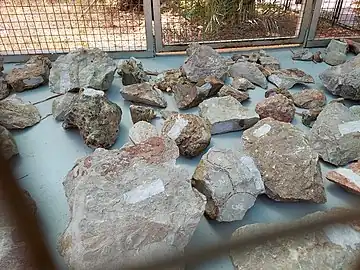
(227, 90)
(277, 107)
(347, 178)
(275, 91)
(309, 99)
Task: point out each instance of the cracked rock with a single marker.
(242, 84)
(141, 113)
(141, 131)
(302, 55)
(227, 90)
(144, 93)
(309, 117)
(131, 207)
(275, 91)
(269, 61)
(287, 78)
(334, 58)
(4, 89)
(190, 132)
(132, 72)
(62, 105)
(16, 114)
(96, 117)
(7, 144)
(82, 68)
(309, 99)
(289, 167)
(347, 178)
(226, 114)
(335, 135)
(278, 107)
(230, 181)
(250, 72)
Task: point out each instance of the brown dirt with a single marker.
(326, 30)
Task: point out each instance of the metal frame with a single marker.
(300, 38)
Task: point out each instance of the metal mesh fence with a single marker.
(186, 21)
(58, 26)
(339, 18)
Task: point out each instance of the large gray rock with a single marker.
(96, 117)
(333, 247)
(131, 207)
(343, 80)
(190, 132)
(144, 93)
(337, 46)
(269, 61)
(141, 113)
(82, 68)
(242, 84)
(62, 105)
(132, 72)
(204, 61)
(302, 55)
(334, 58)
(141, 131)
(309, 99)
(355, 109)
(250, 72)
(32, 74)
(289, 167)
(7, 144)
(226, 114)
(287, 78)
(4, 89)
(335, 135)
(16, 114)
(230, 181)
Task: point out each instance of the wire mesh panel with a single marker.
(184, 21)
(58, 26)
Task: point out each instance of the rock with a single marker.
(32, 74)
(141, 113)
(82, 68)
(242, 84)
(309, 117)
(144, 93)
(334, 58)
(343, 80)
(167, 80)
(190, 132)
(355, 109)
(15, 253)
(7, 144)
(269, 62)
(1, 63)
(309, 99)
(237, 56)
(96, 117)
(278, 107)
(141, 131)
(211, 83)
(275, 91)
(4, 89)
(348, 178)
(227, 90)
(132, 72)
(317, 57)
(333, 247)
(230, 181)
(353, 46)
(254, 57)
(287, 78)
(289, 167)
(16, 114)
(302, 55)
(131, 206)
(226, 114)
(165, 114)
(250, 72)
(62, 105)
(335, 135)
(202, 62)
(336, 46)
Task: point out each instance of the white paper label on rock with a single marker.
(176, 129)
(349, 127)
(261, 131)
(92, 92)
(144, 192)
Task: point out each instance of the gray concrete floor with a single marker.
(48, 152)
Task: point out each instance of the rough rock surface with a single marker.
(165, 114)
(96, 117)
(16, 114)
(287, 78)
(7, 143)
(309, 117)
(309, 99)
(144, 93)
(337, 46)
(130, 206)
(269, 61)
(1, 63)
(250, 72)
(190, 132)
(32, 74)
(353, 46)
(355, 109)
(132, 72)
(242, 84)
(167, 80)
(343, 80)
(4, 89)
(335, 135)
(348, 178)
(289, 167)
(275, 91)
(278, 107)
(82, 68)
(62, 105)
(334, 58)
(230, 181)
(226, 114)
(141, 131)
(227, 90)
(302, 55)
(141, 113)
(204, 61)
(334, 247)
(15, 254)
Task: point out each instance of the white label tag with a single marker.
(144, 192)
(349, 127)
